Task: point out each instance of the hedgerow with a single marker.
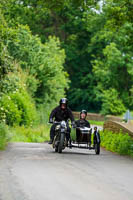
(3, 135)
(17, 109)
(117, 142)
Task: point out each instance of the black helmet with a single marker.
(83, 111)
(63, 100)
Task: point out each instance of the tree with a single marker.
(66, 20)
(112, 104)
(97, 39)
(6, 61)
(43, 63)
(113, 68)
(28, 68)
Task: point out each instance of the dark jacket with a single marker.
(61, 114)
(82, 123)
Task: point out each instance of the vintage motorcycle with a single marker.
(60, 140)
(83, 139)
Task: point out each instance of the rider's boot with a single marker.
(51, 141)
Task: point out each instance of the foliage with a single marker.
(42, 17)
(6, 61)
(131, 97)
(30, 134)
(17, 109)
(63, 19)
(3, 135)
(97, 39)
(13, 81)
(44, 111)
(98, 123)
(43, 63)
(113, 66)
(73, 134)
(9, 112)
(33, 68)
(120, 143)
(111, 103)
(26, 106)
(16, 105)
(97, 54)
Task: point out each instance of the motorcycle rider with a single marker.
(61, 112)
(82, 122)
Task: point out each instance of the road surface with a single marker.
(30, 171)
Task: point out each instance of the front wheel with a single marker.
(55, 143)
(97, 148)
(61, 143)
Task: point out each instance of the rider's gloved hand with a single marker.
(73, 124)
(51, 120)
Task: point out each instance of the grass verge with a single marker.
(29, 134)
(98, 123)
(120, 143)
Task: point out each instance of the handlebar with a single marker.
(73, 125)
(55, 122)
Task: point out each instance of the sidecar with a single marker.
(86, 138)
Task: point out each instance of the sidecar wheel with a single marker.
(97, 148)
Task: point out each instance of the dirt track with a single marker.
(36, 172)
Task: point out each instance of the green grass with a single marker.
(73, 134)
(29, 134)
(93, 122)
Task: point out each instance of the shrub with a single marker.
(43, 62)
(3, 135)
(111, 103)
(9, 112)
(120, 143)
(17, 109)
(26, 107)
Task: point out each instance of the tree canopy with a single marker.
(83, 45)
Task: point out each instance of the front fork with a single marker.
(56, 140)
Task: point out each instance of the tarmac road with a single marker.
(30, 171)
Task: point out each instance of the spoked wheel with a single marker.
(55, 144)
(97, 148)
(61, 143)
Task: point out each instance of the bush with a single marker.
(3, 135)
(111, 103)
(26, 108)
(16, 104)
(43, 62)
(17, 109)
(120, 143)
(9, 112)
